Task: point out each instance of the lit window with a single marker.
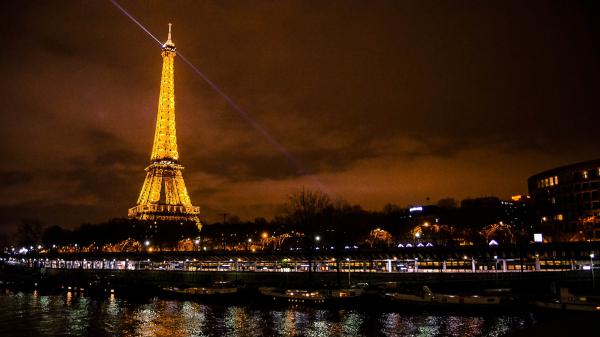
(556, 180)
(584, 174)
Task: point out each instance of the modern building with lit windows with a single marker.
(567, 196)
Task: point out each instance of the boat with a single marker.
(568, 302)
(216, 290)
(429, 298)
(311, 297)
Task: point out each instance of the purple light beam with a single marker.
(297, 164)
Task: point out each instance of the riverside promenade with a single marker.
(532, 265)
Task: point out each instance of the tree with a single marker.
(4, 241)
(390, 208)
(501, 232)
(379, 238)
(29, 233)
(55, 235)
(447, 203)
(234, 219)
(168, 233)
(306, 208)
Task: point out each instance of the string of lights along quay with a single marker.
(575, 256)
(164, 195)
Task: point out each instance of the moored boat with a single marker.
(216, 290)
(568, 302)
(311, 297)
(429, 298)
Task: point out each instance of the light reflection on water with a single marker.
(33, 314)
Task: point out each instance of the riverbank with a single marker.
(516, 280)
(524, 286)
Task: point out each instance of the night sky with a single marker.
(383, 101)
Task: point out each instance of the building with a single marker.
(568, 197)
(480, 212)
(520, 212)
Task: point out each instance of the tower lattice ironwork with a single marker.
(164, 195)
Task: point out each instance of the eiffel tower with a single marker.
(163, 195)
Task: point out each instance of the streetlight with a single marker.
(496, 259)
(592, 269)
(146, 243)
(265, 239)
(348, 260)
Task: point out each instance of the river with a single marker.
(30, 313)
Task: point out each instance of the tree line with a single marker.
(310, 218)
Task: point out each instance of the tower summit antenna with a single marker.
(169, 42)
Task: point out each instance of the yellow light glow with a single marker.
(164, 175)
(165, 140)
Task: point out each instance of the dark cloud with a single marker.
(384, 102)
(12, 178)
(55, 214)
(236, 165)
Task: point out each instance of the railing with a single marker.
(163, 209)
(318, 266)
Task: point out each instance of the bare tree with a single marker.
(447, 203)
(390, 208)
(29, 232)
(4, 241)
(306, 208)
(500, 232)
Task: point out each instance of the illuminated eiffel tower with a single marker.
(163, 195)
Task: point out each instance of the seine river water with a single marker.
(33, 314)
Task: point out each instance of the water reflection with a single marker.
(72, 314)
